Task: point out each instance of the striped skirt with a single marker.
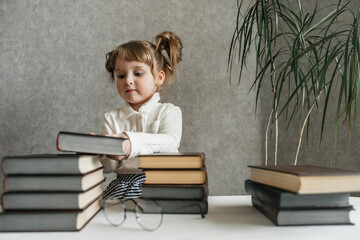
(125, 186)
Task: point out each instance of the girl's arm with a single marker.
(167, 139)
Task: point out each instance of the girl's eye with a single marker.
(121, 76)
(139, 74)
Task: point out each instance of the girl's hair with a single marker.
(150, 54)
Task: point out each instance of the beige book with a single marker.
(306, 179)
(175, 177)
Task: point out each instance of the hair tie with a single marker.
(160, 48)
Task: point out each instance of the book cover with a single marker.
(307, 170)
(50, 164)
(59, 220)
(180, 160)
(175, 177)
(53, 182)
(303, 216)
(175, 192)
(284, 199)
(87, 143)
(183, 206)
(50, 200)
(307, 179)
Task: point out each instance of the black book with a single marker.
(87, 143)
(175, 192)
(18, 183)
(50, 164)
(43, 220)
(182, 206)
(284, 199)
(50, 200)
(303, 216)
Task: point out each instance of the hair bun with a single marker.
(171, 43)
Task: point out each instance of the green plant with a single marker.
(301, 57)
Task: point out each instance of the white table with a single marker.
(229, 217)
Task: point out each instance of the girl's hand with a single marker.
(126, 146)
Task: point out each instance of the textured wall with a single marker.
(52, 78)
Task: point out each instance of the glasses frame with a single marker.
(138, 219)
(201, 212)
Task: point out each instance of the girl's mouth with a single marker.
(130, 90)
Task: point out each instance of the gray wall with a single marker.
(52, 78)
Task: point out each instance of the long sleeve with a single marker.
(166, 139)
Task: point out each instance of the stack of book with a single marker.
(177, 181)
(302, 195)
(50, 192)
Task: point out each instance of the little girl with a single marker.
(141, 70)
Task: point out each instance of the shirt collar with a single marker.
(127, 110)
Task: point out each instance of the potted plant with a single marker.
(299, 57)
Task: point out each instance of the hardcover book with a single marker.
(50, 200)
(284, 199)
(57, 220)
(307, 179)
(175, 177)
(87, 143)
(50, 164)
(53, 182)
(180, 160)
(183, 206)
(303, 216)
(175, 192)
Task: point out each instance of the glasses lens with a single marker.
(115, 212)
(148, 214)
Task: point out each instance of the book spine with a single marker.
(58, 141)
(3, 166)
(3, 202)
(270, 212)
(42, 183)
(5, 185)
(262, 193)
(32, 222)
(43, 166)
(47, 220)
(50, 200)
(40, 201)
(183, 206)
(175, 177)
(174, 192)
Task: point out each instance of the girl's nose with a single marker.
(129, 80)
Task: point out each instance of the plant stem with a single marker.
(276, 136)
(303, 127)
(301, 133)
(276, 113)
(266, 138)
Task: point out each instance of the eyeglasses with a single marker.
(148, 213)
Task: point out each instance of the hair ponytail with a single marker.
(110, 63)
(172, 45)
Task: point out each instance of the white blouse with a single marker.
(156, 127)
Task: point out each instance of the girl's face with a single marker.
(135, 82)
